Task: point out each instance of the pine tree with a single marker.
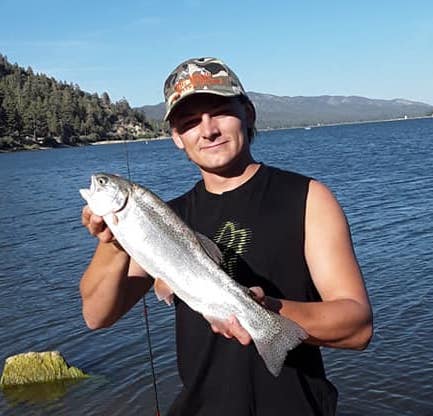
(35, 105)
(11, 116)
(2, 111)
(105, 98)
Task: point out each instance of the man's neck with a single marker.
(217, 183)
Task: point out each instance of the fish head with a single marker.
(107, 193)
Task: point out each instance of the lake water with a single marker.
(382, 174)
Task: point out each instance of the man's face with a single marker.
(213, 131)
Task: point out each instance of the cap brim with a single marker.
(190, 94)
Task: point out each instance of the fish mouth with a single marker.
(85, 193)
(93, 185)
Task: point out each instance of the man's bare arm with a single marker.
(112, 283)
(344, 318)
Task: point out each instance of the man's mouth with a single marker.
(213, 145)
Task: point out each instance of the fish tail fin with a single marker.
(274, 350)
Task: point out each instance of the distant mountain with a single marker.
(275, 111)
(153, 112)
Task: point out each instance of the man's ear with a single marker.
(177, 139)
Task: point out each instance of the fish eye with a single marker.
(102, 180)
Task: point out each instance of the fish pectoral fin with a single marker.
(163, 291)
(211, 249)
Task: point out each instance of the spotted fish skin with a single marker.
(165, 247)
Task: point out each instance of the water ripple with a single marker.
(382, 176)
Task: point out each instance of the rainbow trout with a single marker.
(165, 247)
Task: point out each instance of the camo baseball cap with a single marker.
(200, 75)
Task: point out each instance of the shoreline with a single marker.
(129, 140)
(344, 123)
(306, 127)
(37, 147)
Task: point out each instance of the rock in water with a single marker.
(38, 367)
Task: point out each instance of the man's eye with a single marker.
(223, 111)
(189, 124)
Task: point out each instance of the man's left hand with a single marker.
(231, 328)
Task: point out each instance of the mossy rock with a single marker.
(38, 367)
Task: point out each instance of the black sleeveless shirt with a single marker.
(259, 228)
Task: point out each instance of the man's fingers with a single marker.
(257, 293)
(96, 221)
(85, 215)
(105, 236)
(219, 327)
(231, 328)
(96, 225)
(239, 332)
(90, 220)
(270, 303)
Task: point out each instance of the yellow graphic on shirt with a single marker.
(233, 242)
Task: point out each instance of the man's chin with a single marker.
(224, 169)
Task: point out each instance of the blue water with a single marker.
(382, 174)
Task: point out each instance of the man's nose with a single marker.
(209, 129)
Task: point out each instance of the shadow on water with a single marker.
(47, 397)
(37, 393)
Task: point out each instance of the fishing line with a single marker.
(125, 145)
(145, 312)
(152, 366)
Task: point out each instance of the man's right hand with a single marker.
(96, 225)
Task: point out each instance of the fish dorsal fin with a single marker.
(211, 249)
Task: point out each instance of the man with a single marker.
(281, 233)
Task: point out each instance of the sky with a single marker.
(377, 49)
